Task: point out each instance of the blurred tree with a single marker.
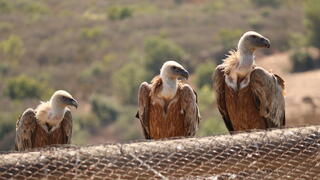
(96, 69)
(80, 133)
(36, 9)
(206, 98)
(127, 126)
(159, 50)
(302, 60)
(7, 129)
(7, 124)
(211, 126)
(5, 68)
(228, 38)
(13, 47)
(312, 12)
(104, 108)
(203, 74)
(126, 82)
(271, 3)
(297, 41)
(119, 12)
(91, 34)
(22, 87)
(5, 6)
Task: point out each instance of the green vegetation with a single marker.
(302, 57)
(229, 38)
(34, 8)
(312, 11)
(12, 47)
(126, 82)
(91, 34)
(105, 109)
(5, 6)
(211, 126)
(271, 3)
(6, 126)
(119, 12)
(159, 50)
(93, 71)
(302, 60)
(204, 74)
(22, 87)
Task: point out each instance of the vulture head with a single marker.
(173, 70)
(63, 99)
(252, 40)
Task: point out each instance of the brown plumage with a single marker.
(47, 124)
(249, 97)
(166, 114)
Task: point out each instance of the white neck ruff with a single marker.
(169, 88)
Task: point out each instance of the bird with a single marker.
(168, 106)
(249, 97)
(50, 123)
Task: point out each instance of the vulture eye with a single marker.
(174, 68)
(255, 37)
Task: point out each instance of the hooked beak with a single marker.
(72, 102)
(266, 43)
(184, 73)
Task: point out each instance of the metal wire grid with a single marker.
(279, 154)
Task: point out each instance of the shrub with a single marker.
(203, 74)
(87, 122)
(13, 47)
(119, 12)
(7, 130)
(91, 34)
(256, 22)
(96, 69)
(7, 124)
(127, 126)
(126, 82)
(206, 98)
(212, 125)
(302, 61)
(270, 3)
(214, 6)
(297, 40)
(104, 108)
(34, 8)
(5, 69)
(80, 135)
(5, 6)
(22, 87)
(159, 50)
(229, 38)
(312, 12)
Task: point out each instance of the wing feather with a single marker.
(191, 109)
(66, 126)
(219, 85)
(268, 91)
(143, 102)
(25, 130)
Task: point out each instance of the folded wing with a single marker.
(143, 102)
(268, 93)
(25, 130)
(191, 110)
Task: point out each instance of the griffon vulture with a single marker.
(168, 107)
(50, 123)
(248, 96)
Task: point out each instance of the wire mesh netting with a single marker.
(279, 154)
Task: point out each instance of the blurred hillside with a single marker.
(100, 51)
